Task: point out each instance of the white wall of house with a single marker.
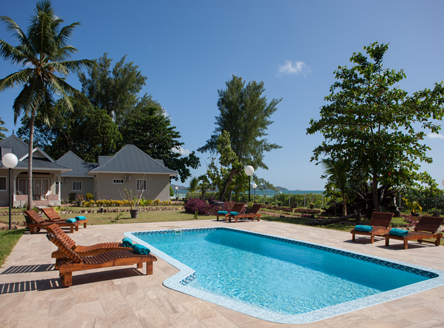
(110, 185)
(44, 181)
(80, 186)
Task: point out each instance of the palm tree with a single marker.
(337, 171)
(194, 183)
(2, 129)
(43, 52)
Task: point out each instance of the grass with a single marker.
(8, 239)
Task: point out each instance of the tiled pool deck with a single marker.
(30, 295)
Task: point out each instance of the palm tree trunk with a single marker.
(375, 192)
(344, 205)
(227, 183)
(31, 140)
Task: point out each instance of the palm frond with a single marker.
(11, 53)
(65, 34)
(16, 79)
(29, 98)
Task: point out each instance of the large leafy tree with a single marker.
(2, 129)
(229, 175)
(245, 114)
(375, 124)
(151, 131)
(115, 89)
(43, 52)
(87, 131)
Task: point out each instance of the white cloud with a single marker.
(181, 151)
(435, 136)
(296, 68)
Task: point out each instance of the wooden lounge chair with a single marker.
(34, 222)
(81, 250)
(53, 216)
(237, 207)
(380, 222)
(426, 228)
(74, 262)
(252, 214)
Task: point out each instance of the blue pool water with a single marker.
(276, 275)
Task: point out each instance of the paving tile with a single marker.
(152, 317)
(90, 310)
(122, 316)
(169, 305)
(85, 295)
(93, 323)
(65, 321)
(185, 320)
(61, 306)
(33, 319)
(218, 322)
(201, 309)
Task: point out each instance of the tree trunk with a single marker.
(344, 204)
(375, 192)
(227, 183)
(31, 140)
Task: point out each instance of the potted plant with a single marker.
(312, 205)
(133, 201)
(413, 206)
(80, 200)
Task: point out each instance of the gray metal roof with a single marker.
(42, 164)
(19, 147)
(131, 159)
(104, 159)
(79, 166)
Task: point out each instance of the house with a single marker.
(129, 168)
(46, 175)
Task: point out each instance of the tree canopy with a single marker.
(87, 131)
(2, 129)
(374, 124)
(44, 52)
(245, 114)
(115, 89)
(159, 139)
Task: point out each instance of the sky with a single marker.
(190, 49)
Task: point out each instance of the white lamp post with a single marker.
(249, 170)
(254, 191)
(10, 161)
(176, 190)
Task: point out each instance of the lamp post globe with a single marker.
(254, 191)
(10, 161)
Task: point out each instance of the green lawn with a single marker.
(8, 239)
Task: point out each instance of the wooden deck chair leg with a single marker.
(71, 229)
(387, 241)
(372, 239)
(406, 244)
(438, 240)
(139, 265)
(353, 237)
(149, 267)
(84, 225)
(66, 279)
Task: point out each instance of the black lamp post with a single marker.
(249, 170)
(10, 161)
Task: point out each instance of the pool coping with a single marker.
(180, 281)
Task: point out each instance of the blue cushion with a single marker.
(80, 218)
(72, 220)
(399, 232)
(140, 249)
(234, 213)
(365, 228)
(127, 242)
(222, 212)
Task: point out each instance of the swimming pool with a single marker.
(280, 279)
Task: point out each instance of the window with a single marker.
(22, 186)
(2, 183)
(117, 181)
(141, 185)
(77, 186)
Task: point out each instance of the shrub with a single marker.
(89, 196)
(196, 205)
(71, 197)
(157, 202)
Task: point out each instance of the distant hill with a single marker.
(178, 187)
